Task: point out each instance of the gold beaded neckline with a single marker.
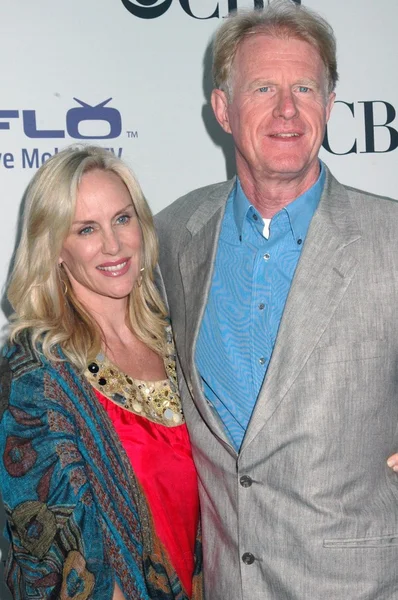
(158, 401)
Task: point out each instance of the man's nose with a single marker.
(286, 106)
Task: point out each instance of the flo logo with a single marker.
(152, 9)
(74, 118)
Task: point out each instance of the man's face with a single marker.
(278, 109)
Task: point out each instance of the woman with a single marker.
(97, 476)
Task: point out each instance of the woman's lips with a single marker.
(115, 269)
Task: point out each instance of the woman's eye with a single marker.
(123, 219)
(86, 230)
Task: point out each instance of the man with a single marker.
(282, 286)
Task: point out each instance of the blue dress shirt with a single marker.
(251, 280)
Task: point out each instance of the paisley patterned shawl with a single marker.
(77, 516)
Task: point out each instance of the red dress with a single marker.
(148, 420)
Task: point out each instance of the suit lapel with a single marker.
(324, 272)
(196, 262)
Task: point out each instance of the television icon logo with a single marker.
(75, 116)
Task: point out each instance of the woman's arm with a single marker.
(57, 548)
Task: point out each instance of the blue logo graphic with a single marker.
(74, 118)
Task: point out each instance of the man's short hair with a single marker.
(281, 19)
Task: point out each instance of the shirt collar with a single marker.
(299, 212)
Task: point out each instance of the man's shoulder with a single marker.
(374, 213)
(183, 208)
(370, 209)
(376, 200)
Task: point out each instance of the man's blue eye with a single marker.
(265, 88)
(304, 88)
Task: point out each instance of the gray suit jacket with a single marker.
(309, 501)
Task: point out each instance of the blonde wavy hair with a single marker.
(279, 19)
(39, 291)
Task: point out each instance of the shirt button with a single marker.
(261, 306)
(246, 481)
(248, 558)
(255, 217)
(266, 256)
(261, 360)
(299, 241)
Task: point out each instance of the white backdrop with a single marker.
(155, 71)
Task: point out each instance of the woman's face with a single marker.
(102, 252)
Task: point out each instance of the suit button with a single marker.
(246, 481)
(248, 558)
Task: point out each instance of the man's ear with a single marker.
(219, 102)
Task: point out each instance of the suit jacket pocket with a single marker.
(383, 541)
(349, 352)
